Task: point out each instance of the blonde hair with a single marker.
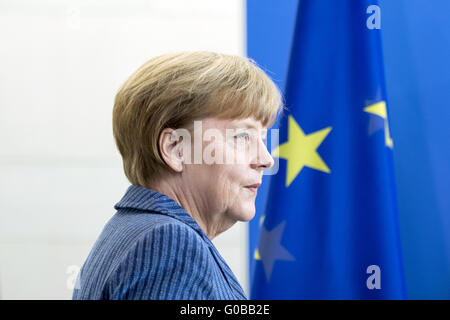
(173, 90)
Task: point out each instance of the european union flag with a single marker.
(330, 228)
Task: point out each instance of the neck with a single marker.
(212, 223)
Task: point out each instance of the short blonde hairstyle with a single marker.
(175, 89)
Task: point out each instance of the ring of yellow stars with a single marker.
(301, 150)
(379, 109)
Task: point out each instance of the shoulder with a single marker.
(125, 230)
(163, 238)
(172, 239)
(170, 233)
(169, 261)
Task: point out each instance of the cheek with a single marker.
(227, 181)
(237, 153)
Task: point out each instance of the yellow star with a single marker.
(379, 109)
(301, 150)
(256, 255)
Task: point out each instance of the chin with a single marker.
(246, 214)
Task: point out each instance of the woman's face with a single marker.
(233, 158)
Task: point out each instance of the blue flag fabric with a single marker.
(330, 228)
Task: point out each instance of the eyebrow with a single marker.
(246, 124)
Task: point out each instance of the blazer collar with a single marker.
(144, 199)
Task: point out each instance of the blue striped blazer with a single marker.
(153, 249)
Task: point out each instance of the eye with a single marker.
(242, 136)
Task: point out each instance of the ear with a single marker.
(171, 149)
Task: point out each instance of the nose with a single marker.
(263, 159)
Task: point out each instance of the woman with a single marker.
(190, 127)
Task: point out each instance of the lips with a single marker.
(253, 188)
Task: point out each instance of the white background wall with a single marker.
(61, 63)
